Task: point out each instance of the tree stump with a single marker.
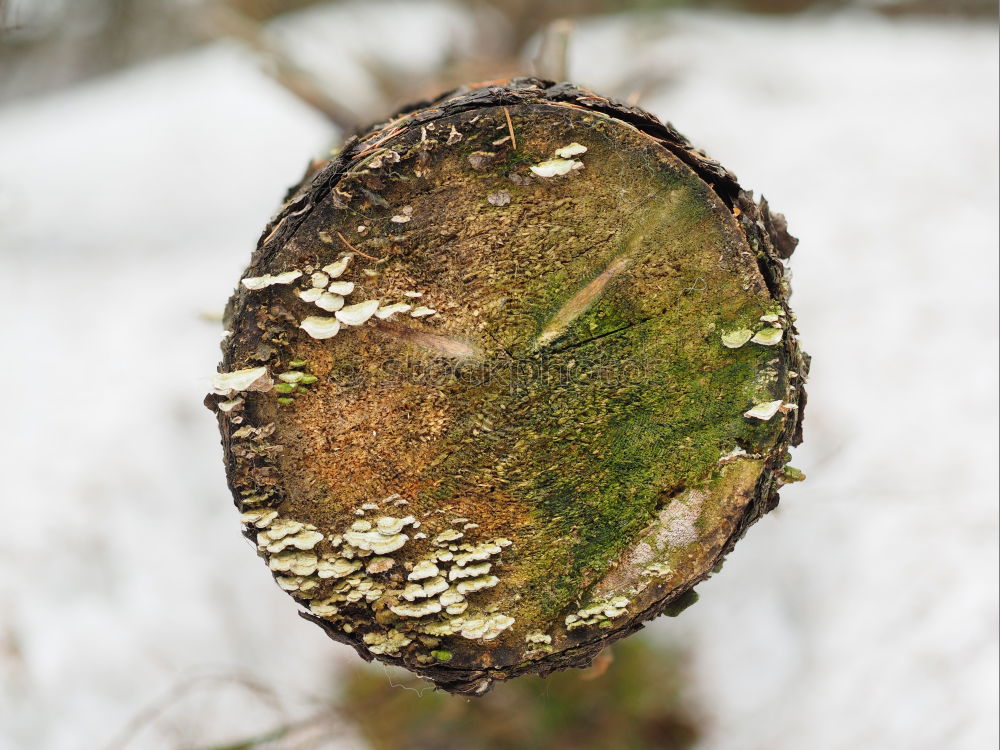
(505, 378)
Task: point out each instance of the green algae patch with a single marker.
(524, 397)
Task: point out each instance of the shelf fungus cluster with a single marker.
(506, 377)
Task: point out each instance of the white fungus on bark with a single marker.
(250, 379)
(355, 315)
(260, 282)
(556, 167)
(320, 327)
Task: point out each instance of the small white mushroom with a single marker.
(768, 336)
(420, 609)
(311, 294)
(482, 551)
(474, 628)
(304, 540)
(422, 312)
(448, 535)
(336, 269)
(435, 586)
(477, 584)
(736, 339)
(283, 528)
(496, 625)
(413, 295)
(260, 282)
(390, 526)
(432, 587)
(556, 167)
(438, 628)
(373, 541)
(390, 643)
(405, 214)
(763, 411)
(355, 315)
(289, 583)
(292, 376)
(472, 571)
(423, 569)
(259, 518)
(450, 597)
(389, 310)
(770, 318)
(336, 567)
(232, 404)
(343, 288)
(250, 379)
(573, 149)
(324, 607)
(319, 280)
(320, 327)
(299, 563)
(330, 302)
(538, 637)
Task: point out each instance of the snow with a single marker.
(863, 612)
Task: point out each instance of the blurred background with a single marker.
(144, 144)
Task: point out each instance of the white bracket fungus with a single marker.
(486, 628)
(423, 569)
(250, 379)
(329, 302)
(763, 411)
(573, 149)
(260, 282)
(556, 167)
(421, 609)
(389, 310)
(320, 327)
(736, 339)
(336, 567)
(336, 269)
(343, 288)
(355, 315)
(472, 571)
(434, 586)
(477, 584)
(768, 336)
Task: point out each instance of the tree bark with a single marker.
(511, 373)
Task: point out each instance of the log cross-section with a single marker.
(505, 378)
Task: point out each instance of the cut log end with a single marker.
(529, 373)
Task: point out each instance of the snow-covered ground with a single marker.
(861, 614)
